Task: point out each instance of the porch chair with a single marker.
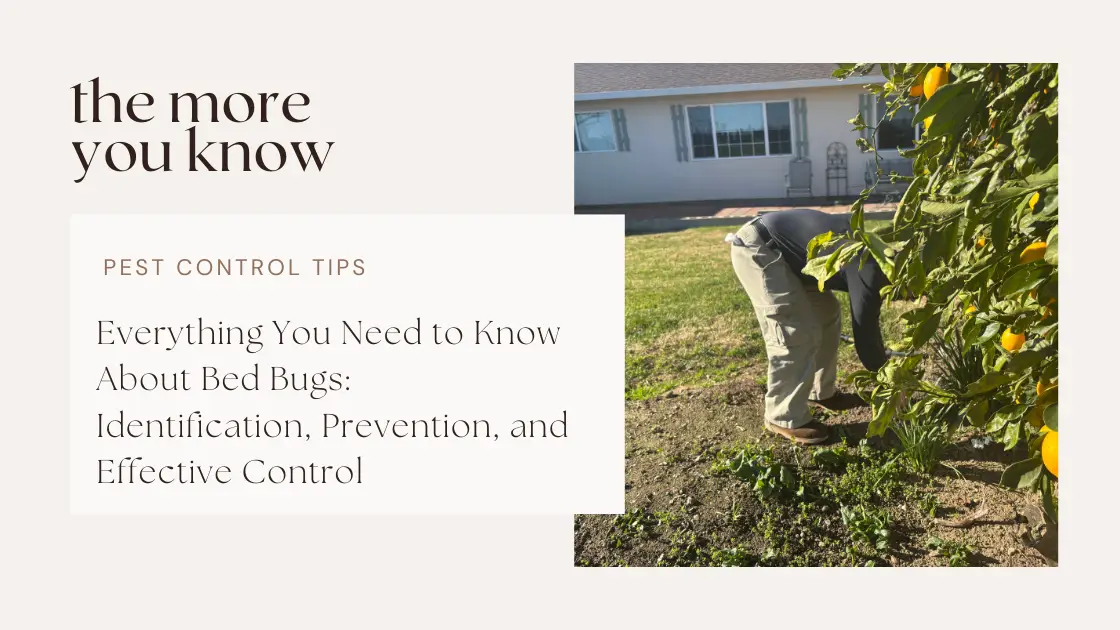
(882, 183)
(800, 177)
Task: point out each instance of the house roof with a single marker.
(595, 81)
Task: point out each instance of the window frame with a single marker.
(765, 130)
(614, 135)
(917, 130)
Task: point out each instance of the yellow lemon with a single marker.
(981, 242)
(1012, 341)
(916, 89)
(929, 121)
(970, 310)
(1050, 452)
(1034, 251)
(935, 78)
(1033, 201)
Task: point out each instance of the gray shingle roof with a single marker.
(618, 77)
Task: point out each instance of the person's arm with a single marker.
(864, 294)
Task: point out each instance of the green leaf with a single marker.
(1001, 228)
(1022, 278)
(1025, 360)
(925, 331)
(1050, 416)
(1047, 178)
(977, 412)
(819, 241)
(987, 383)
(817, 268)
(882, 414)
(942, 209)
(1052, 247)
(990, 333)
(963, 185)
(882, 253)
(1011, 90)
(1006, 414)
(953, 114)
(943, 97)
(1048, 505)
(1022, 474)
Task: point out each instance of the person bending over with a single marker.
(801, 325)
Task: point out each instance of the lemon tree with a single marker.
(975, 237)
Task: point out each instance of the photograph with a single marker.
(841, 311)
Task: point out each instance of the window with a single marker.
(740, 130)
(899, 132)
(594, 132)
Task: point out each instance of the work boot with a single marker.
(812, 433)
(839, 402)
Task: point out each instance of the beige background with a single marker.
(482, 60)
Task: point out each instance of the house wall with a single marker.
(650, 172)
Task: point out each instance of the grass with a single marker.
(688, 320)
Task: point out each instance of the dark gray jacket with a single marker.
(791, 231)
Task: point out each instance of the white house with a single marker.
(649, 133)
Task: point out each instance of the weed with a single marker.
(758, 468)
(733, 557)
(929, 504)
(832, 459)
(870, 526)
(959, 554)
(958, 364)
(634, 523)
(870, 479)
(922, 442)
(665, 518)
(686, 549)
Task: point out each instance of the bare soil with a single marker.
(681, 511)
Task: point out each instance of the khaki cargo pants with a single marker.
(800, 325)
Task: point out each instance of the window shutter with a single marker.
(619, 117)
(679, 133)
(800, 127)
(804, 128)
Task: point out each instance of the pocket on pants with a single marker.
(780, 287)
(786, 334)
(764, 258)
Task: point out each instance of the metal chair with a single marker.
(882, 183)
(836, 170)
(800, 177)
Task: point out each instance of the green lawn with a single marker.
(688, 321)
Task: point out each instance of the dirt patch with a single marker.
(685, 509)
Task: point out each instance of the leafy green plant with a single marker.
(870, 526)
(836, 458)
(959, 554)
(733, 557)
(923, 442)
(929, 504)
(957, 364)
(976, 237)
(635, 523)
(758, 468)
